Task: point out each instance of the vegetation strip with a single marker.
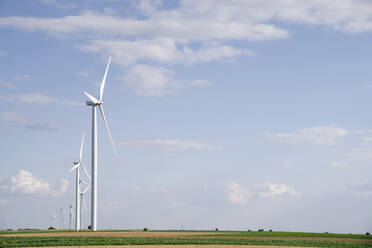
(291, 234)
(80, 241)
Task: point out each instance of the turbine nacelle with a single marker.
(90, 103)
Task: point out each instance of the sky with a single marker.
(237, 115)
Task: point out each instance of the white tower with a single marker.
(94, 103)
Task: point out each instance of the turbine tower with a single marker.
(71, 215)
(76, 167)
(94, 102)
(82, 203)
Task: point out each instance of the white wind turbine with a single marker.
(94, 102)
(82, 203)
(76, 167)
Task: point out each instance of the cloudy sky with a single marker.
(239, 114)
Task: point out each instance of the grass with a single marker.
(291, 235)
(57, 231)
(79, 241)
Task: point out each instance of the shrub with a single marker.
(270, 230)
(51, 228)
(216, 229)
(249, 230)
(367, 233)
(260, 230)
(145, 229)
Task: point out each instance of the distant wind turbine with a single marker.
(71, 215)
(82, 203)
(76, 167)
(94, 102)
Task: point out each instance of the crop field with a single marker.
(179, 239)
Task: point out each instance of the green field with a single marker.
(219, 238)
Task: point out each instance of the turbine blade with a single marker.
(81, 147)
(73, 168)
(104, 81)
(85, 170)
(108, 131)
(86, 189)
(92, 98)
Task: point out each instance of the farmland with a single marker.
(43, 238)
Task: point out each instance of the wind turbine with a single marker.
(82, 204)
(94, 102)
(54, 220)
(62, 223)
(71, 215)
(76, 167)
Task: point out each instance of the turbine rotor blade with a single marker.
(73, 168)
(104, 81)
(92, 98)
(108, 131)
(86, 189)
(81, 148)
(85, 170)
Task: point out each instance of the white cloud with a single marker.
(206, 20)
(149, 7)
(321, 135)
(3, 202)
(287, 163)
(172, 144)
(13, 117)
(38, 98)
(60, 4)
(156, 81)
(25, 183)
(367, 141)
(17, 119)
(21, 77)
(236, 194)
(182, 24)
(361, 188)
(339, 165)
(164, 50)
(29, 98)
(7, 85)
(364, 152)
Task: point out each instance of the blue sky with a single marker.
(236, 115)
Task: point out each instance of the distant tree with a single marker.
(145, 229)
(249, 230)
(89, 227)
(260, 230)
(367, 233)
(216, 229)
(51, 228)
(270, 230)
